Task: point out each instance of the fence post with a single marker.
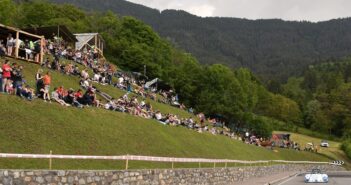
(214, 165)
(172, 164)
(50, 161)
(127, 161)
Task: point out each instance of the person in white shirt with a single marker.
(10, 44)
(96, 77)
(158, 116)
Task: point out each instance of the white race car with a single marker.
(316, 176)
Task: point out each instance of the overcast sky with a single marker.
(311, 10)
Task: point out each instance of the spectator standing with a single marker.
(39, 81)
(6, 74)
(10, 43)
(47, 82)
(17, 78)
(2, 49)
(0, 77)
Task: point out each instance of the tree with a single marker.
(7, 12)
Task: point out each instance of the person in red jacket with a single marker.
(6, 74)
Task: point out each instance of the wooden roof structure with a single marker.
(19, 34)
(49, 32)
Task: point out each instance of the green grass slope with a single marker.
(38, 127)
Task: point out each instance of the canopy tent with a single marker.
(20, 36)
(49, 32)
(89, 40)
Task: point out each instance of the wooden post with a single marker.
(127, 162)
(172, 164)
(214, 165)
(225, 166)
(50, 161)
(41, 50)
(58, 34)
(199, 164)
(102, 48)
(17, 45)
(96, 41)
(99, 44)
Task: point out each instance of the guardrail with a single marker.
(172, 160)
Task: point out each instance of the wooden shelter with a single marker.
(89, 40)
(20, 35)
(60, 31)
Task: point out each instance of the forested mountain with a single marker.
(271, 48)
(323, 93)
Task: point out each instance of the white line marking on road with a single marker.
(289, 179)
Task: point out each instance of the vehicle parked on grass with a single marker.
(324, 143)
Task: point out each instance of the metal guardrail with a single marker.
(128, 158)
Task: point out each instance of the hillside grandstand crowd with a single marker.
(93, 69)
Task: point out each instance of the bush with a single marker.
(346, 147)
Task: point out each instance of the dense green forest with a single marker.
(272, 49)
(324, 96)
(319, 99)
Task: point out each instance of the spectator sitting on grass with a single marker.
(56, 97)
(27, 92)
(84, 74)
(70, 99)
(9, 87)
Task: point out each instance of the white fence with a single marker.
(151, 159)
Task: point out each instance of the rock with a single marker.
(70, 180)
(29, 173)
(81, 181)
(16, 175)
(97, 178)
(27, 179)
(89, 180)
(64, 179)
(39, 179)
(61, 173)
(48, 178)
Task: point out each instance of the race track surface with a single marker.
(335, 178)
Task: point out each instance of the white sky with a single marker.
(311, 10)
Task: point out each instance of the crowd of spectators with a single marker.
(97, 70)
(11, 80)
(28, 49)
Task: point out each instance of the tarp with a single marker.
(150, 83)
(83, 39)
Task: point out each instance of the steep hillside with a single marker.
(271, 48)
(38, 127)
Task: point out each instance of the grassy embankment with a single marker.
(38, 127)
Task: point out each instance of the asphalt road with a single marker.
(335, 178)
